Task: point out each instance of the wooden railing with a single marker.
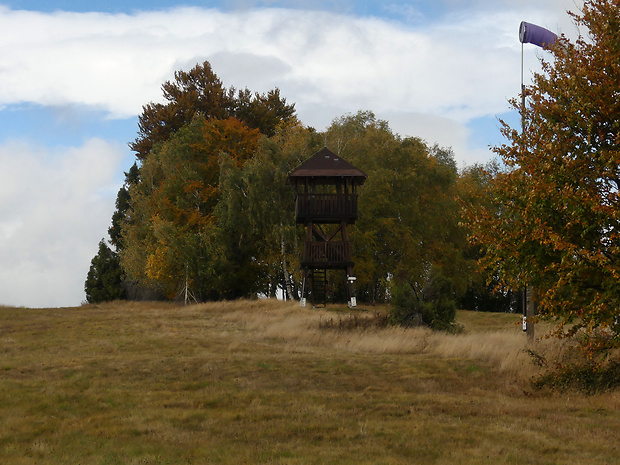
(326, 206)
(327, 253)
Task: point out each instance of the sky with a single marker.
(74, 76)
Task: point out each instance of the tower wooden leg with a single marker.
(351, 288)
(304, 288)
(529, 313)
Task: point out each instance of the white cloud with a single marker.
(460, 67)
(443, 131)
(54, 209)
(407, 13)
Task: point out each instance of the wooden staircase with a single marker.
(319, 287)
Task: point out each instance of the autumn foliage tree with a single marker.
(554, 221)
(201, 92)
(186, 232)
(173, 233)
(258, 205)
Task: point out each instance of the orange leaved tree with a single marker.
(554, 221)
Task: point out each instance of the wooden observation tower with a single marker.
(326, 203)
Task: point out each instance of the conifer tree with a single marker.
(105, 277)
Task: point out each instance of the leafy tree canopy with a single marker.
(408, 219)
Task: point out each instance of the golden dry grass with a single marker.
(261, 382)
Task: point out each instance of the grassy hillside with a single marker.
(269, 382)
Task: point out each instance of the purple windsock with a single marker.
(532, 34)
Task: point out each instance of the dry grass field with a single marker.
(270, 382)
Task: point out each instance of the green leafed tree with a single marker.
(554, 222)
(484, 292)
(407, 232)
(268, 205)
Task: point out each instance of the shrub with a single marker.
(587, 377)
(435, 307)
(406, 307)
(355, 321)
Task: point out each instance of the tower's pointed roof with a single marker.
(326, 163)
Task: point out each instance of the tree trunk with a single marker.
(287, 276)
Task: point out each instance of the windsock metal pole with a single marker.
(522, 95)
(528, 301)
(531, 34)
(528, 309)
(544, 38)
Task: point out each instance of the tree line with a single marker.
(206, 212)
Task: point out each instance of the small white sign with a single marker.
(524, 323)
(353, 302)
(302, 303)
